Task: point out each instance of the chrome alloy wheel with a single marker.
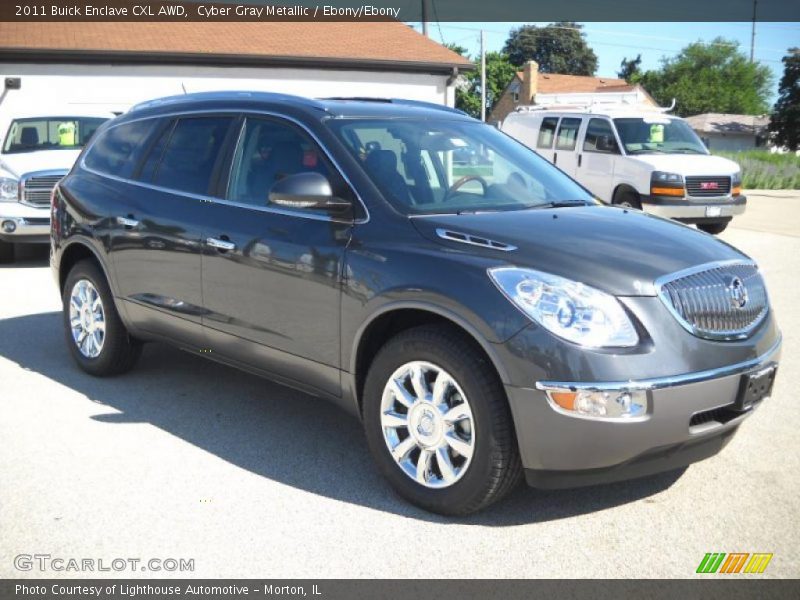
(427, 424)
(87, 318)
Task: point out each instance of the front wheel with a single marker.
(438, 423)
(95, 335)
(713, 228)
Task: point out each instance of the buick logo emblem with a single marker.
(738, 293)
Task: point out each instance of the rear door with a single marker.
(565, 156)
(599, 153)
(156, 242)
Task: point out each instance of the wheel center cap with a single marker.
(87, 319)
(426, 427)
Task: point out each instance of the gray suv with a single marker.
(486, 320)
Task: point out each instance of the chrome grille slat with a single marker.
(36, 188)
(695, 183)
(702, 299)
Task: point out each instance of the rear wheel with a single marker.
(6, 252)
(95, 335)
(713, 228)
(627, 199)
(438, 423)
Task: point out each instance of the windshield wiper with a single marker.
(561, 204)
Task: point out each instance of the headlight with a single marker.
(9, 189)
(662, 177)
(569, 309)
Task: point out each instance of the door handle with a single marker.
(222, 245)
(128, 222)
(555, 158)
(580, 156)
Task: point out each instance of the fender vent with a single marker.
(474, 240)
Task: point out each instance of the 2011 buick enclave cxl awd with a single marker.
(484, 320)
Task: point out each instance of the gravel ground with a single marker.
(183, 458)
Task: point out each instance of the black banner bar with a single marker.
(711, 588)
(401, 10)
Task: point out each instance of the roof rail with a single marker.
(593, 107)
(401, 101)
(226, 95)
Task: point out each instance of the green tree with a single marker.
(499, 72)
(558, 48)
(629, 69)
(784, 125)
(714, 77)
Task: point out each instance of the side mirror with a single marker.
(308, 190)
(605, 143)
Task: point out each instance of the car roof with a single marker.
(312, 107)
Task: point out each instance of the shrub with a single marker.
(764, 170)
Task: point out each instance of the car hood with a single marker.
(45, 160)
(621, 252)
(688, 164)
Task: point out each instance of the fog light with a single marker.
(9, 226)
(613, 404)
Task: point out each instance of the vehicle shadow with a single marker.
(28, 256)
(271, 430)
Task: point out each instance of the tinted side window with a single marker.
(117, 150)
(598, 128)
(270, 150)
(547, 132)
(190, 155)
(154, 154)
(568, 134)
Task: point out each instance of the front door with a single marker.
(272, 275)
(599, 153)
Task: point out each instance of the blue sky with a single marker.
(613, 41)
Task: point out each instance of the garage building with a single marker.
(112, 66)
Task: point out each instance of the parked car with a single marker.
(636, 157)
(482, 326)
(39, 148)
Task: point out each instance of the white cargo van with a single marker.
(636, 157)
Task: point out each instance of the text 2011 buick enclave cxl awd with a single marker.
(483, 320)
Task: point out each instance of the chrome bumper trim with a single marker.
(661, 382)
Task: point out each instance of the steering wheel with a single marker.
(454, 188)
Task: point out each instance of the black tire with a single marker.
(495, 468)
(627, 199)
(119, 351)
(713, 228)
(6, 252)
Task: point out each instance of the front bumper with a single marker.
(694, 210)
(560, 450)
(30, 224)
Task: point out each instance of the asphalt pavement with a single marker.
(186, 459)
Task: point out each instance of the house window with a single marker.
(516, 96)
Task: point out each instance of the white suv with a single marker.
(38, 149)
(636, 157)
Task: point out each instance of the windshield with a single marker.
(424, 166)
(658, 135)
(50, 133)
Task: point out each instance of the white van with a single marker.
(39, 147)
(635, 157)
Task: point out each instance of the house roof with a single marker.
(555, 83)
(386, 45)
(728, 123)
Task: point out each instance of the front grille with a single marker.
(36, 189)
(707, 186)
(720, 301)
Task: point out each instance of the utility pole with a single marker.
(753, 33)
(483, 76)
(425, 14)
